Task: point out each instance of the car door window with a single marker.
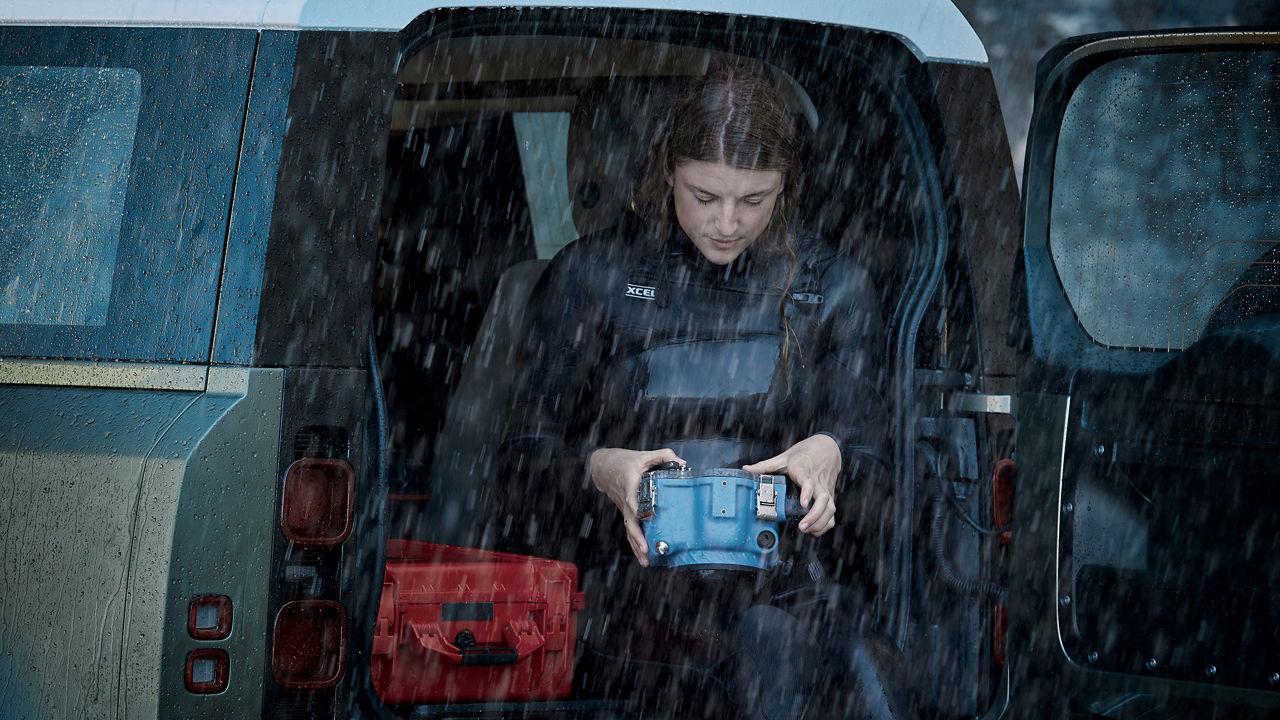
(1165, 196)
(66, 167)
(116, 172)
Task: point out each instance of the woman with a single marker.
(711, 331)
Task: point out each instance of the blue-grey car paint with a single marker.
(175, 222)
(166, 489)
(246, 253)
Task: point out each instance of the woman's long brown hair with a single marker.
(733, 116)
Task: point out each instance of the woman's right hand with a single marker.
(616, 472)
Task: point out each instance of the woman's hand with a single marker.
(616, 472)
(812, 464)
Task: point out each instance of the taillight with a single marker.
(316, 507)
(207, 671)
(209, 617)
(309, 644)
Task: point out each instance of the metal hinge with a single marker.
(971, 402)
(647, 497)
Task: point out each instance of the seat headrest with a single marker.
(610, 137)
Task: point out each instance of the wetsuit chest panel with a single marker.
(696, 338)
(710, 370)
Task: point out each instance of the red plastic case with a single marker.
(520, 612)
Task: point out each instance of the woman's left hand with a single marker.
(812, 464)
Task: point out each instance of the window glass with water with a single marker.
(64, 173)
(1166, 197)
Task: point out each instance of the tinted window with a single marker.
(117, 167)
(1165, 196)
(64, 168)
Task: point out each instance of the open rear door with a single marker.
(1144, 579)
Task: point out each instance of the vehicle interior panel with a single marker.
(1156, 592)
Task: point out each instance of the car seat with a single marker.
(606, 159)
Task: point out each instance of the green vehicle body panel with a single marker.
(123, 505)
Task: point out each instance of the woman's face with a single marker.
(723, 209)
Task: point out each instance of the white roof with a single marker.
(933, 29)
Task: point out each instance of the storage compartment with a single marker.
(464, 625)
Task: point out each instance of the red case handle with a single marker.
(522, 637)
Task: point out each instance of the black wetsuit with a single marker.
(642, 347)
(642, 343)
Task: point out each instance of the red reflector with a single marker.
(316, 506)
(207, 671)
(999, 634)
(1003, 482)
(309, 644)
(209, 617)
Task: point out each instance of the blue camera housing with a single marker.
(720, 517)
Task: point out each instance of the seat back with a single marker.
(462, 479)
